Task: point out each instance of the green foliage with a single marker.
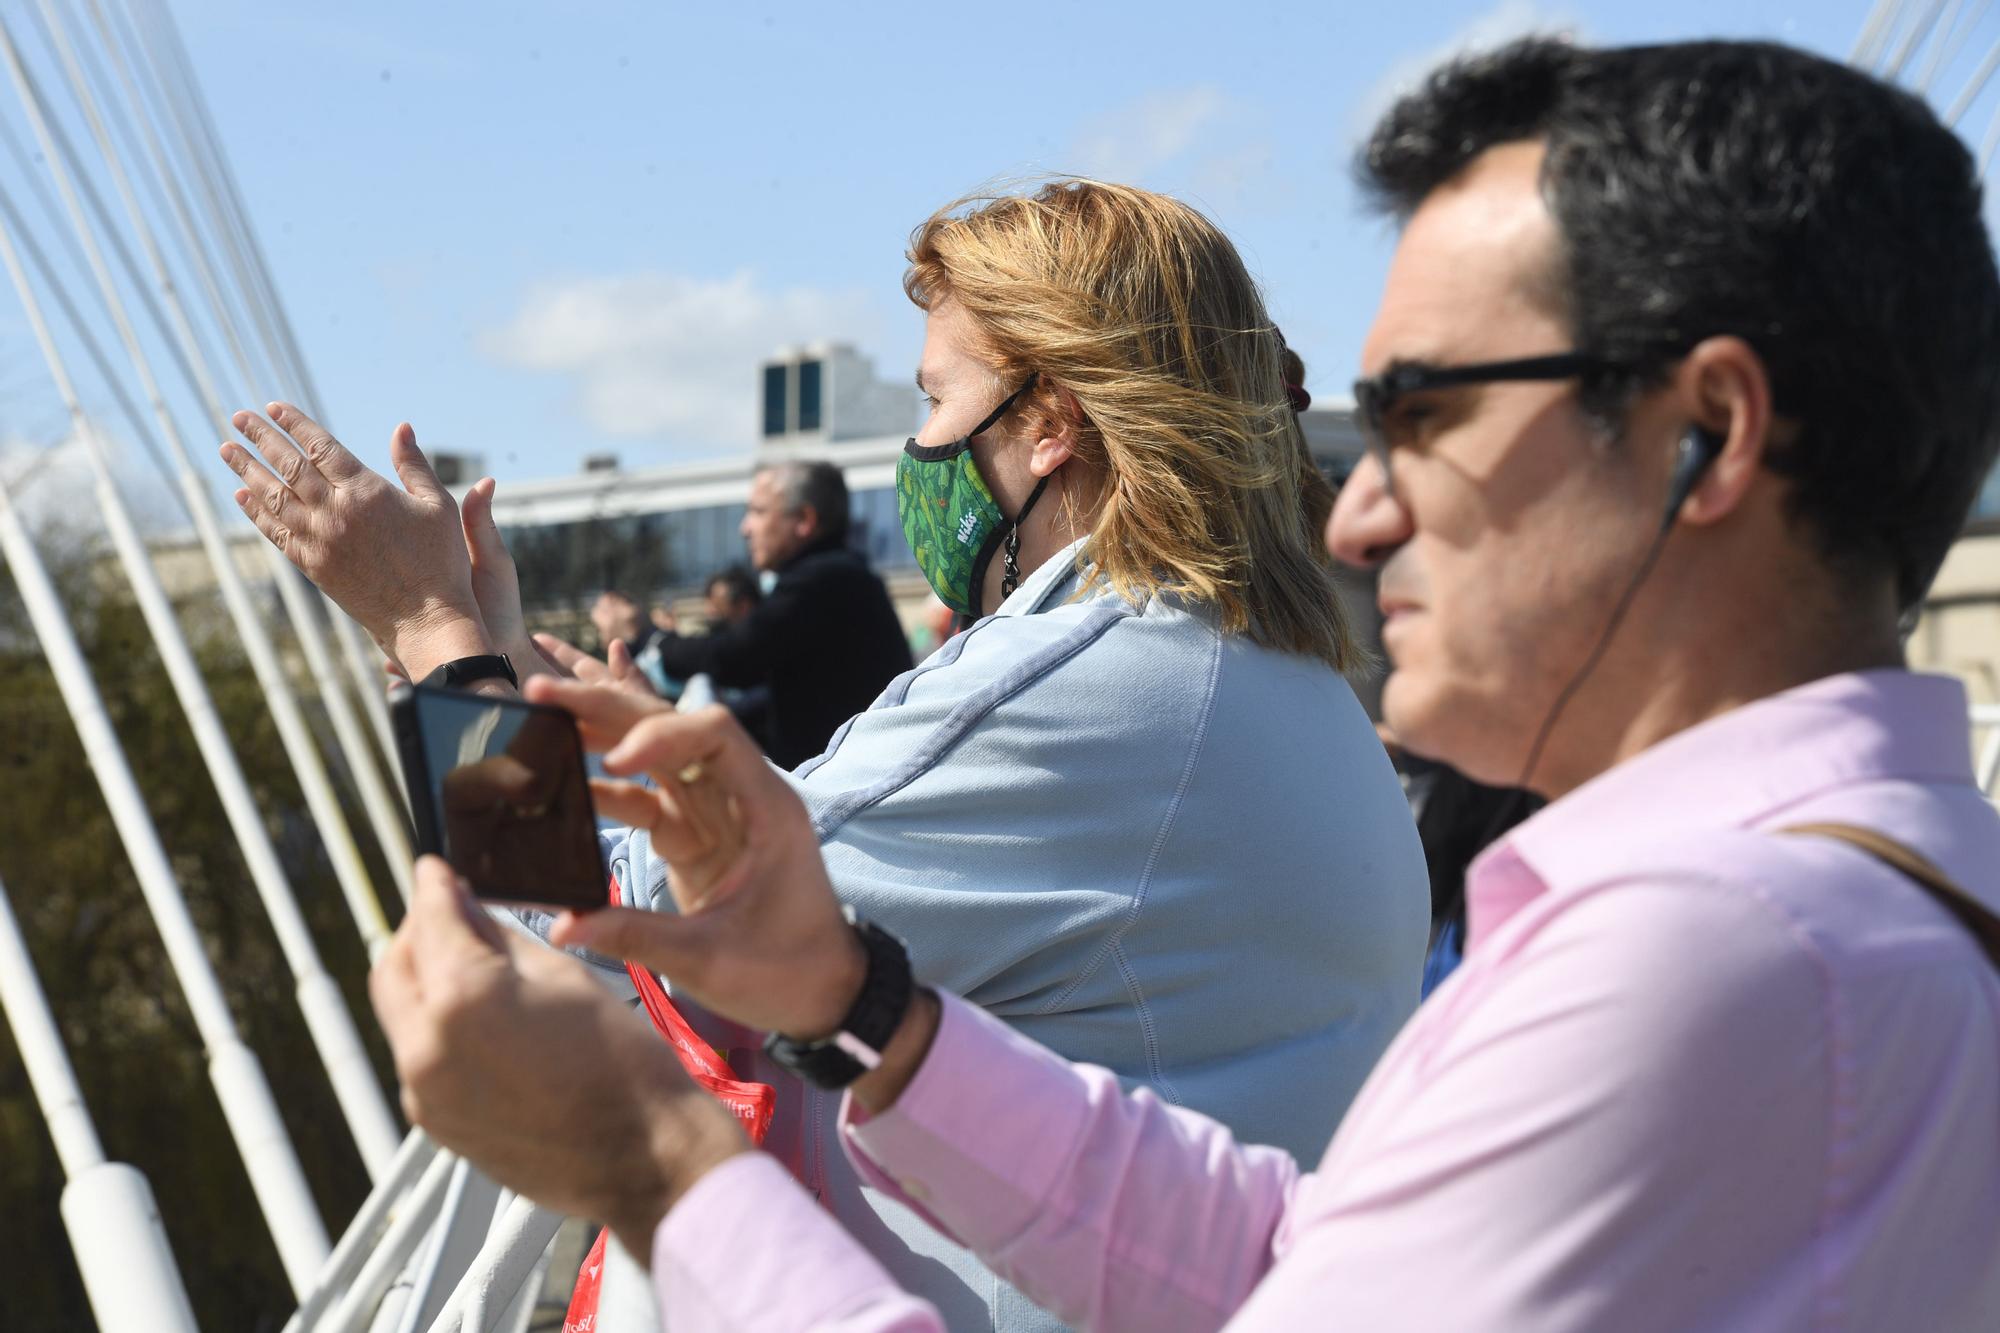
(100, 961)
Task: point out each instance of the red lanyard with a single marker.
(752, 1104)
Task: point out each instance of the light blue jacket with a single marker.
(1144, 843)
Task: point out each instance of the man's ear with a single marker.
(806, 522)
(1056, 442)
(1725, 389)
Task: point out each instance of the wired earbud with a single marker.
(1696, 452)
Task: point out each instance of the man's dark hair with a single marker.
(817, 483)
(1826, 218)
(738, 584)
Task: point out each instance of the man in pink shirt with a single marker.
(1686, 371)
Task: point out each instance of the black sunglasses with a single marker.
(1376, 396)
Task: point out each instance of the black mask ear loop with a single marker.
(1010, 575)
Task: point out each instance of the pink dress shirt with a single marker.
(1691, 1075)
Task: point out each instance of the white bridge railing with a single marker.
(437, 1246)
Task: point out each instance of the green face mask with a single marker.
(951, 520)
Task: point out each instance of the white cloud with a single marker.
(669, 357)
(1130, 142)
(1499, 25)
(54, 488)
(1196, 139)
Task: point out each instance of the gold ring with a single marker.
(691, 774)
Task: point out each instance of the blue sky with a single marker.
(538, 232)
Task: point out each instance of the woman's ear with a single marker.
(1055, 443)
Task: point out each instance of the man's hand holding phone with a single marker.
(512, 1056)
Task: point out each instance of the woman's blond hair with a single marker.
(1141, 309)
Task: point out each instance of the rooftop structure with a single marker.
(827, 393)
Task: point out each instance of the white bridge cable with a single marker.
(327, 1019)
(178, 110)
(271, 676)
(186, 350)
(1876, 30)
(215, 181)
(245, 1096)
(358, 661)
(383, 809)
(1951, 42)
(136, 421)
(365, 667)
(161, 188)
(1989, 142)
(126, 107)
(1974, 86)
(281, 346)
(50, 130)
(283, 349)
(1914, 39)
(128, 1269)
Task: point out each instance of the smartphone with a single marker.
(498, 788)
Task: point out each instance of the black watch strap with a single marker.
(878, 1011)
(463, 671)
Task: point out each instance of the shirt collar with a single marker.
(1732, 771)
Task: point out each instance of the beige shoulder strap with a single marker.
(1970, 912)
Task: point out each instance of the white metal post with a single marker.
(247, 1104)
(285, 712)
(512, 1251)
(121, 1247)
(357, 1305)
(462, 1224)
(391, 1194)
(40, 1045)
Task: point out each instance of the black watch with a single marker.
(857, 1046)
(463, 671)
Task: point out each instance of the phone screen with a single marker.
(506, 795)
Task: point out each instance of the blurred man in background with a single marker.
(824, 640)
(732, 594)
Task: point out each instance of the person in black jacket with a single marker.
(825, 639)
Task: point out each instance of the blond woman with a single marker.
(1134, 810)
